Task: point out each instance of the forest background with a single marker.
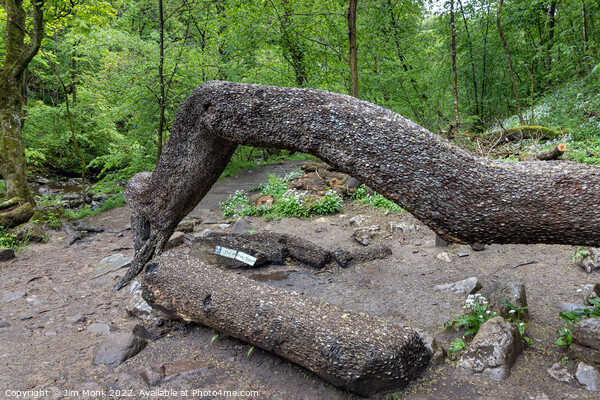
(101, 93)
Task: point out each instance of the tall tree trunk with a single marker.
(73, 75)
(551, 23)
(161, 78)
(471, 61)
(509, 63)
(352, 48)
(463, 198)
(295, 54)
(455, 79)
(17, 55)
(586, 59)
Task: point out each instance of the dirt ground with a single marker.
(48, 347)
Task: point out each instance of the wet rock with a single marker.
(359, 220)
(591, 263)
(186, 226)
(119, 347)
(467, 286)
(493, 350)
(366, 235)
(242, 225)
(6, 254)
(41, 180)
(588, 376)
(561, 374)
(511, 292)
(444, 256)
(103, 329)
(587, 333)
(112, 263)
(138, 307)
(30, 232)
(4, 324)
(12, 296)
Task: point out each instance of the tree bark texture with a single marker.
(463, 198)
(17, 56)
(350, 350)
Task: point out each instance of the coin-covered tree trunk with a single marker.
(351, 350)
(463, 198)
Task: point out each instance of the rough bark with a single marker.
(463, 198)
(17, 56)
(354, 351)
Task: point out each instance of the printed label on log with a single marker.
(245, 258)
(238, 255)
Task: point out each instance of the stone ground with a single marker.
(48, 344)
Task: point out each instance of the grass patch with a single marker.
(375, 200)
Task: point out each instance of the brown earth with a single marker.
(44, 349)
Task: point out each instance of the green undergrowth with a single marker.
(293, 203)
(375, 200)
(475, 314)
(287, 203)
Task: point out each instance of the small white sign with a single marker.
(238, 255)
(225, 252)
(245, 258)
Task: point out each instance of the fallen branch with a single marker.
(552, 154)
(266, 248)
(350, 350)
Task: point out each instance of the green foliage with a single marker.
(580, 254)
(571, 317)
(108, 204)
(8, 240)
(474, 315)
(565, 337)
(375, 200)
(456, 345)
(52, 219)
(288, 203)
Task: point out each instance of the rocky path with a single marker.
(56, 316)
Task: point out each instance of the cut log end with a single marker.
(357, 352)
(552, 154)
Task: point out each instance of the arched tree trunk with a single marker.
(463, 198)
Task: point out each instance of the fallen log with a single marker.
(268, 248)
(552, 154)
(14, 212)
(350, 350)
(463, 198)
